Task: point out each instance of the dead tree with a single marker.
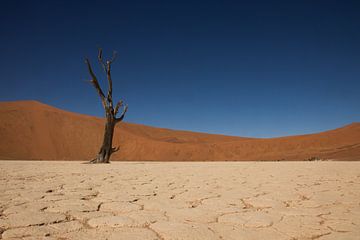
(110, 110)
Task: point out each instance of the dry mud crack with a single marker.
(168, 201)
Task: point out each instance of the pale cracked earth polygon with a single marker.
(180, 200)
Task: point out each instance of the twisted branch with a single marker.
(96, 84)
(107, 101)
(119, 119)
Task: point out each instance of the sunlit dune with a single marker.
(32, 130)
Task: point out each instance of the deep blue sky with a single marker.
(247, 68)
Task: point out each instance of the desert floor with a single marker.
(178, 200)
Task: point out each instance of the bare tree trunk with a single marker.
(106, 148)
(111, 120)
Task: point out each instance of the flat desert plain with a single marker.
(180, 200)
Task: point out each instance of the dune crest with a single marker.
(32, 130)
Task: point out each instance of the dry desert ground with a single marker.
(180, 200)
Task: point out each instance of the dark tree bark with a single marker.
(110, 111)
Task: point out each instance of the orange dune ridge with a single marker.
(32, 130)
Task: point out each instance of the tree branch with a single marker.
(100, 59)
(108, 75)
(114, 56)
(95, 83)
(119, 119)
(118, 105)
(115, 149)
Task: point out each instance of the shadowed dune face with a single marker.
(32, 130)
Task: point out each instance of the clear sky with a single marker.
(246, 68)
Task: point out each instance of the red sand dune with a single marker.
(32, 130)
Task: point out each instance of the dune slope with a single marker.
(32, 130)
